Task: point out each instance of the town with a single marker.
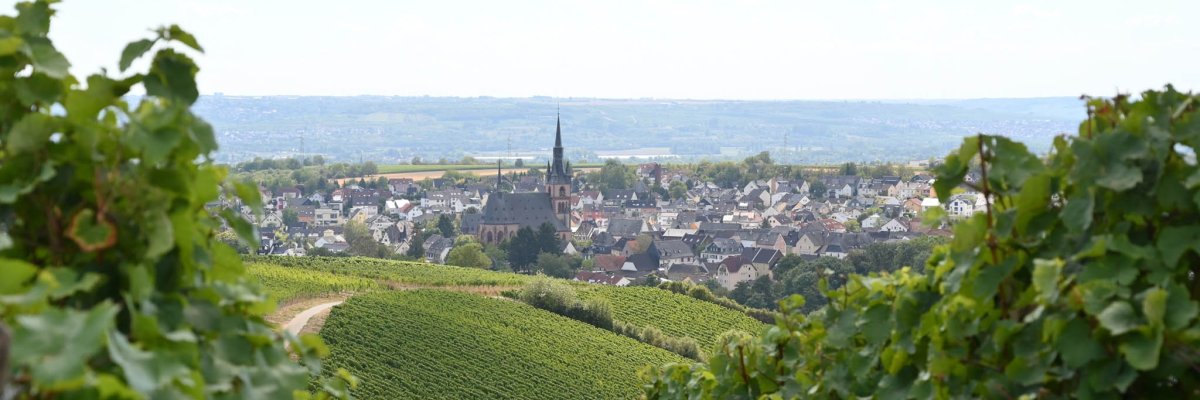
(620, 225)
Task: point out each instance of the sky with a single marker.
(691, 49)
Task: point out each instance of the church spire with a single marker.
(558, 131)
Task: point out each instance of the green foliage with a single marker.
(445, 225)
(428, 344)
(468, 253)
(558, 266)
(1078, 281)
(283, 284)
(613, 175)
(111, 276)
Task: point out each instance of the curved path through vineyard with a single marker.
(300, 320)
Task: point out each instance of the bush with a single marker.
(703, 293)
(596, 311)
(549, 295)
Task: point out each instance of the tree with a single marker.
(613, 175)
(363, 243)
(498, 256)
(678, 190)
(520, 163)
(416, 247)
(852, 226)
(558, 266)
(290, 217)
(1076, 281)
(445, 225)
(849, 169)
(523, 249)
(817, 189)
(468, 253)
(547, 239)
(114, 282)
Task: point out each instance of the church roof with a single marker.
(524, 209)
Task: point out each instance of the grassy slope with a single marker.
(285, 284)
(432, 344)
(675, 314)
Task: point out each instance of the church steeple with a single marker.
(558, 131)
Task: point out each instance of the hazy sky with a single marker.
(665, 49)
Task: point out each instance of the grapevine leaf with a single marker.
(1181, 309)
(10, 45)
(92, 232)
(1120, 177)
(132, 51)
(33, 18)
(46, 59)
(1174, 241)
(1154, 306)
(14, 274)
(56, 344)
(38, 88)
(1076, 345)
(145, 371)
(1045, 279)
(1119, 318)
(1077, 214)
(1141, 351)
(178, 34)
(172, 76)
(30, 133)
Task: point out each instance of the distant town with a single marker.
(618, 225)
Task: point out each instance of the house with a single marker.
(720, 249)
(608, 262)
(961, 206)
(674, 252)
(437, 248)
(809, 243)
(625, 228)
(894, 225)
(681, 272)
(735, 269)
(601, 278)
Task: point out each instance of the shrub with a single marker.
(549, 295)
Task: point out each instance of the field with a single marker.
(285, 284)
(401, 272)
(433, 344)
(675, 314)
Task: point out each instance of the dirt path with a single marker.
(297, 324)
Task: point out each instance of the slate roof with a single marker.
(524, 209)
(624, 227)
(724, 246)
(470, 223)
(673, 249)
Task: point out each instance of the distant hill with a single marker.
(393, 130)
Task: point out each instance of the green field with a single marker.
(284, 284)
(401, 272)
(434, 344)
(675, 314)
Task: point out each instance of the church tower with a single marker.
(558, 179)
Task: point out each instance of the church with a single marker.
(505, 213)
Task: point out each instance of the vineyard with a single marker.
(283, 284)
(675, 314)
(403, 272)
(432, 344)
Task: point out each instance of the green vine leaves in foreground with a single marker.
(1078, 280)
(111, 281)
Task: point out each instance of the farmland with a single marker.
(284, 284)
(675, 314)
(434, 344)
